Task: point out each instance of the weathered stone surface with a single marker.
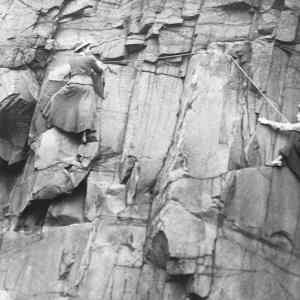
(153, 113)
(99, 29)
(292, 4)
(83, 7)
(268, 21)
(255, 261)
(107, 197)
(151, 51)
(220, 25)
(57, 166)
(6, 183)
(19, 92)
(191, 8)
(288, 23)
(135, 15)
(135, 42)
(171, 12)
(103, 197)
(175, 40)
(175, 248)
(197, 216)
(114, 109)
(244, 204)
(208, 156)
(55, 147)
(156, 278)
(68, 209)
(270, 208)
(150, 9)
(197, 196)
(16, 55)
(182, 243)
(110, 43)
(19, 18)
(261, 61)
(234, 4)
(25, 26)
(22, 256)
(174, 290)
(113, 256)
(283, 211)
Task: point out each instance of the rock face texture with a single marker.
(171, 199)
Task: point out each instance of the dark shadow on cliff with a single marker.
(33, 216)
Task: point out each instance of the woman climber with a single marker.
(290, 154)
(73, 107)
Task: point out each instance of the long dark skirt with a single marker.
(291, 153)
(73, 108)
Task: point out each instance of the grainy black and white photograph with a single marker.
(149, 150)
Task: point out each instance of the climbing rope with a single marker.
(268, 100)
(231, 58)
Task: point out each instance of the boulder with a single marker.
(57, 166)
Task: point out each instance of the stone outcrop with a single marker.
(169, 198)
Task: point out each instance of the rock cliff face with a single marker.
(171, 200)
